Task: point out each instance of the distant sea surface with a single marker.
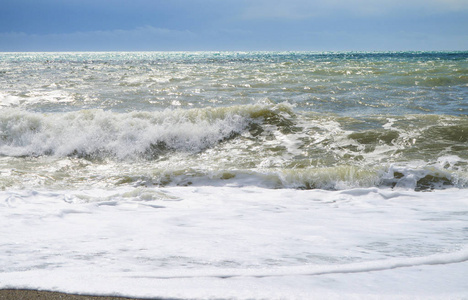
(82, 131)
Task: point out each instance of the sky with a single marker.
(233, 25)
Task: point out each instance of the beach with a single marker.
(44, 295)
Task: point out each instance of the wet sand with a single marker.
(44, 295)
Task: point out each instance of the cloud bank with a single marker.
(304, 9)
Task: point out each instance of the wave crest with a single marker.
(99, 133)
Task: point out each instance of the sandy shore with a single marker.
(43, 295)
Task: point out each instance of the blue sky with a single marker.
(160, 25)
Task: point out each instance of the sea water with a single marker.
(235, 175)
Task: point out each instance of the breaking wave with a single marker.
(263, 144)
(97, 133)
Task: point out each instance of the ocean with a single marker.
(235, 175)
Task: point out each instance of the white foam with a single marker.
(240, 243)
(34, 97)
(9, 100)
(120, 135)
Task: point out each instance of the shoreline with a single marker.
(25, 294)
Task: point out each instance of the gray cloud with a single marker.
(304, 9)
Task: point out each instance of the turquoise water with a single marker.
(289, 119)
